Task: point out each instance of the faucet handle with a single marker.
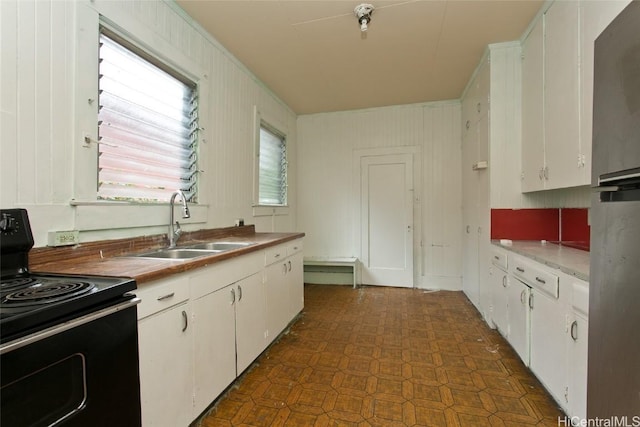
(178, 230)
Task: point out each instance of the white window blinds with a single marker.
(147, 128)
(272, 180)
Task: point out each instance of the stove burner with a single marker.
(47, 293)
(10, 285)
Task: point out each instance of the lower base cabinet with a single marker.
(166, 368)
(199, 331)
(518, 317)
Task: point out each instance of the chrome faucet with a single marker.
(174, 233)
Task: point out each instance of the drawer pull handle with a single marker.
(239, 293)
(276, 256)
(289, 262)
(521, 270)
(531, 301)
(496, 257)
(574, 330)
(539, 280)
(504, 281)
(185, 321)
(233, 296)
(522, 297)
(167, 296)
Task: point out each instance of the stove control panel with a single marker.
(15, 231)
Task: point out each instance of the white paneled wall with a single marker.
(47, 77)
(328, 210)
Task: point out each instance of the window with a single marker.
(147, 126)
(272, 178)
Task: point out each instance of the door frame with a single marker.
(415, 152)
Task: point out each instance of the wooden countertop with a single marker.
(108, 258)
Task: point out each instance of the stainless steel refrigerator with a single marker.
(614, 285)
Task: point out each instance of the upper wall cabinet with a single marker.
(551, 152)
(557, 93)
(532, 110)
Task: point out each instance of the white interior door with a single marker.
(386, 212)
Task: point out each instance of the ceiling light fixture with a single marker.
(363, 12)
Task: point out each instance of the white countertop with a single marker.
(571, 261)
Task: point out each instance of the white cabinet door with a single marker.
(577, 353)
(214, 346)
(166, 375)
(499, 299)
(295, 276)
(561, 96)
(518, 317)
(277, 298)
(548, 345)
(532, 110)
(250, 320)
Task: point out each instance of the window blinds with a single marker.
(273, 168)
(147, 129)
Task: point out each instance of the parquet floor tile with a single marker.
(377, 356)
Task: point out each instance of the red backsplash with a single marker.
(574, 228)
(568, 225)
(525, 224)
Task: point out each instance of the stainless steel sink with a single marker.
(219, 246)
(176, 253)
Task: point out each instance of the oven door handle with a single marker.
(46, 333)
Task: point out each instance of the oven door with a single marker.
(83, 372)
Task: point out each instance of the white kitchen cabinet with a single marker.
(594, 18)
(548, 335)
(276, 291)
(284, 286)
(166, 366)
(499, 283)
(250, 320)
(475, 190)
(577, 349)
(229, 324)
(532, 109)
(214, 346)
(564, 166)
(295, 277)
(518, 317)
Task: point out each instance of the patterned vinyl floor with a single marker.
(377, 356)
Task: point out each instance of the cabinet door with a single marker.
(518, 317)
(594, 18)
(166, 375)
(578, 351)
(251, 322)
(214, 346)
(277, 298)
(561, 96)
(532, 110)
(295, 277)
(499, 299)
(548, 345)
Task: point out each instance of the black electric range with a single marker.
(30, 302)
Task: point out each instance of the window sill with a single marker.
(270, 210)
(106, 214)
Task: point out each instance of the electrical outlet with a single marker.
(63, 238)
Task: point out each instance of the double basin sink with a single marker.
(193, 251)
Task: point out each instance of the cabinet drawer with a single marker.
(499, 259)
(580, 296)
(275, 254)
(160, 295)
(535, 276)
(294, 247)
(224, 273)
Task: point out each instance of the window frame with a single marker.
(115, 217)
(167, 68)
(262, 121)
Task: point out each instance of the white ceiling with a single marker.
(313, 56)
